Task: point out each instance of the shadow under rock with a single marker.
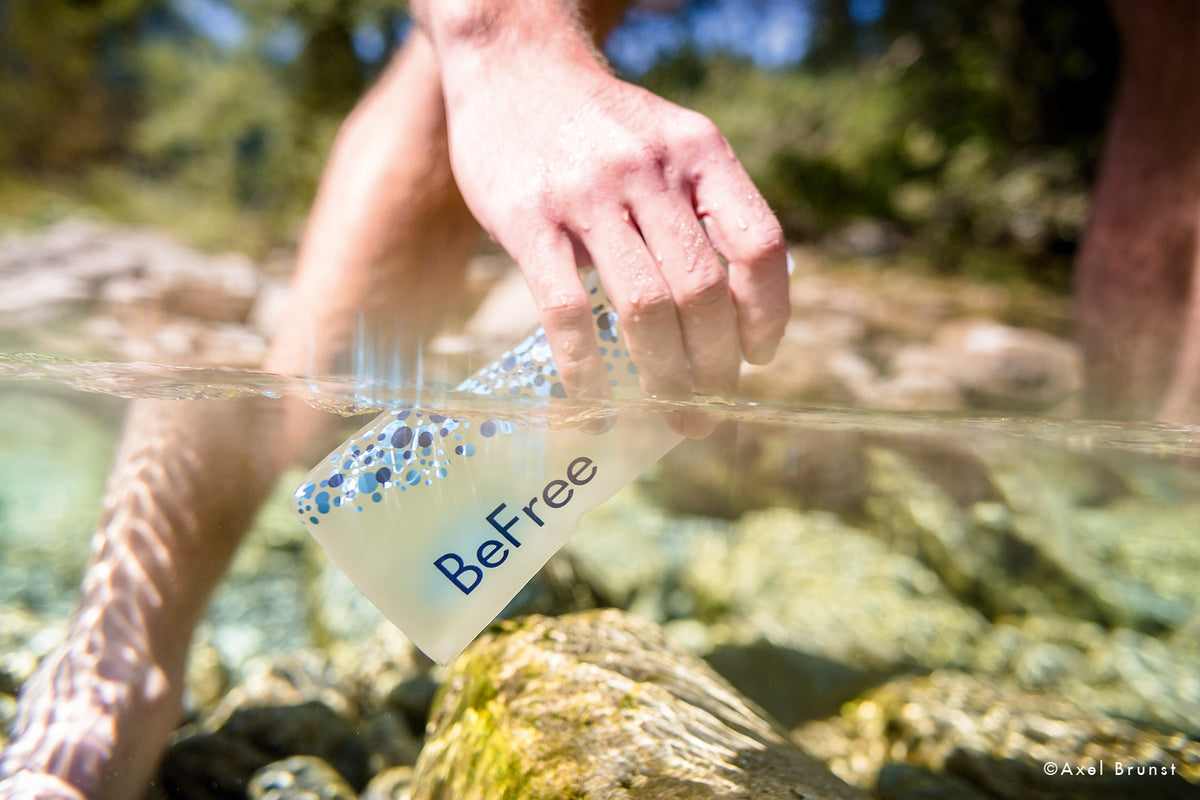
(792, 686)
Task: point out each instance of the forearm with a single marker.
(471, 37)
(476, 22)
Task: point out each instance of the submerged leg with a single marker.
(1136, 264)
(184, 487)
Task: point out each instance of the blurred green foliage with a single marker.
(68, 92)
(127, 105)
(967, 131)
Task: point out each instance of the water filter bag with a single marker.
(440, 521)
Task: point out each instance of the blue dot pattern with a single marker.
(404, 450)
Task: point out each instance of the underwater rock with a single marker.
(601, 705)
(338, 610)
(263, 583)
(19, 655)
(631, 552)
(393, 684)
(207, 677)
(200, 765)
(975, 555)
(297, 706)
(391, 784)
(1084, 569)
(955, 735)
(1119, 672)
(276, 575)
(254, 736)
(1063, 534)
(386, 670)
(807, 610)
(741, 468)
(389, 740)
(1132, 562)
(1002, 367)
(557, 588)
(362, 718)
(299, 778)
(24, 639)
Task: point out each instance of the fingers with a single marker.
(566, 315)
(645, 305)
(676, 331)
(677, 317)
(656, 235)
(700, 290)
(743, 229)
(679, 308)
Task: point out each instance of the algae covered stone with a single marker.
(970, 736)
(601, 705)
(299, 778)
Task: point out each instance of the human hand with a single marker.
(565, 165)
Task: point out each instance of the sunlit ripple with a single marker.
(143, 380)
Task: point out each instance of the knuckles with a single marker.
(647, 304)
(640, 156)
(699, 135)
(768, 244)
(709, 291)
(561, 311)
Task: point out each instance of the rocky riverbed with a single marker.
(781, 610)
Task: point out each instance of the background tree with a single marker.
(69, 87)
(968, 130)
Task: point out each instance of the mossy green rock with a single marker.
(600, 705)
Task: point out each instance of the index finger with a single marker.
(566, 315)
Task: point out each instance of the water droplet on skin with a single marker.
(585, 226)
(741, 223)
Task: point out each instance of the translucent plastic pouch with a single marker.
(440, 521)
